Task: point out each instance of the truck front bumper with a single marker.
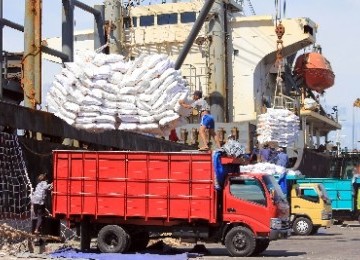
(279, 233)
(325, 223)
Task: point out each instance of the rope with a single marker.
(38, 154)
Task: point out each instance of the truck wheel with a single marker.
(139, 241)
(85, 235)
(302, 226)
(240, 241)
(113, 239)
(261, 246)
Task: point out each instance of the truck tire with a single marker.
(139, 241)
(302, 226)
(261, 246)
(85, 235)
(240, 241)
(113, 239)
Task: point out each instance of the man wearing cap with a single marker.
(207, 121)
(281, 158)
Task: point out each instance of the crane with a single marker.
(251, 7)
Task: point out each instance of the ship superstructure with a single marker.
(232, 60)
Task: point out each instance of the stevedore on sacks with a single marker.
(207, 120)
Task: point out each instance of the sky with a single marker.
(338, 34)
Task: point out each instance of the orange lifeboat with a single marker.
(315, 70)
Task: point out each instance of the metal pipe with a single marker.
(68, 29)
(16, 26)
(56, 53)
(86, 8)
(193, 33)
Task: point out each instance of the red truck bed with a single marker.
(148, 185)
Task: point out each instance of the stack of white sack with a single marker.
(268, 168)
(101, 92)
(278, 125)
(310, 104)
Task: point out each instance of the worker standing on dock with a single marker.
(38, 199)
(207, 120)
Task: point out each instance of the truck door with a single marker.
(306, 201)
(245, 200)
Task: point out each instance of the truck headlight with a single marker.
(325, 215)
(275, 223)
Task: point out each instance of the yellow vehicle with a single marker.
(310, 208)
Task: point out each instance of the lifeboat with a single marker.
(315, 70)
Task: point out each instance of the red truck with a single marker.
(122, 197)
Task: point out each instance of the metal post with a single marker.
(193, 33)
(217, 61)
(68, 29)
(353, 127)
(1, 50)
(37, 47)
(112, 15)
(28, 79)
(99, 35)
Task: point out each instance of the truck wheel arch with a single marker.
(228, 226)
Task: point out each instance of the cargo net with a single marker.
(15, 189)
(15, 185)
(16, 216)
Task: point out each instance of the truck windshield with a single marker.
(323, 194)
(272, 185)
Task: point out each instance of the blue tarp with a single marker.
(283, 183)
(219, 171)
(72, 253)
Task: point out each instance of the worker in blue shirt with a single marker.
(264, 153)
(281, 158)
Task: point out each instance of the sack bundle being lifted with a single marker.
(278, 125)
(101, 92)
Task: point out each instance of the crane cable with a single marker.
(280, 31)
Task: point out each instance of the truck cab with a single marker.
(255, 207)
(255, 198)
(310, 208)
(344, 196)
